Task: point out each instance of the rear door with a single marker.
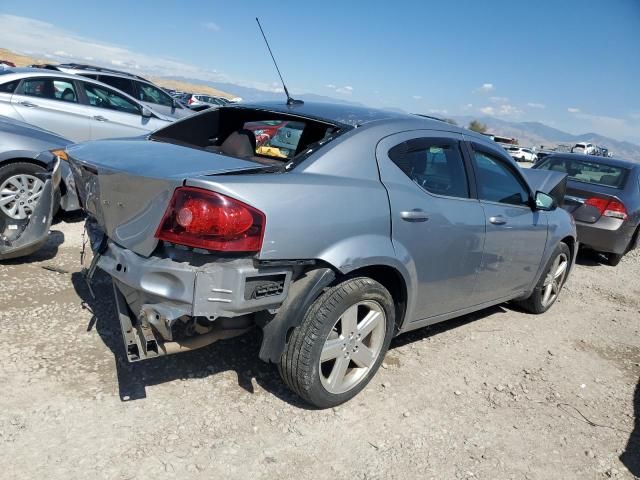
(53, 104)
(114, 115)
(516, 234)
(437, 226)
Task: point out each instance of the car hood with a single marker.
(127, 184)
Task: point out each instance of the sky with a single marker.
(572, 64)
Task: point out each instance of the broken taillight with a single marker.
(608, 208)
(204, 219)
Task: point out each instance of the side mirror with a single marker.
(175, 103)
(146, 112)
(545, 202)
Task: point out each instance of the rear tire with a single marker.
(551, 282)
(340, 343)
(613, 259)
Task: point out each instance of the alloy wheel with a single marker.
(19, 195)
(353, 346)
(554, 280)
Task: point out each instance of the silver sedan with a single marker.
(368, 225)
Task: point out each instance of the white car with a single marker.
(521, 154)
(584, 148)
(74, 107)
(198, 99)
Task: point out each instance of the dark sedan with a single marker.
(603, 195)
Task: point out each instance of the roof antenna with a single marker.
(290, 101)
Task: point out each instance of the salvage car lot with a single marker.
(498, 394)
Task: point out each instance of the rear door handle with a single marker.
(498, 220)
(415, 215)
(100, 118)
(28, 104)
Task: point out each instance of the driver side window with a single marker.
(435, 164)
(497, 183)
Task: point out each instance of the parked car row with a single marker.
(521, 154)
(587, 148)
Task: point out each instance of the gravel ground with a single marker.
(498, 394)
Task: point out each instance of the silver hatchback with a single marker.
(73, 107)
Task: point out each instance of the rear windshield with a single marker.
(276, 138)
(586, 171)
(258, 135)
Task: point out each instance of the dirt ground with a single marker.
(496, 395)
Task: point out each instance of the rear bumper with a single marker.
(160, 291)
(607, 235)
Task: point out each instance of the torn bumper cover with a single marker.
(21, 238)
(158, 298)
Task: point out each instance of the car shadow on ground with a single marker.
(47, 252)
(445, 326)
(631, 455)
(239, 355)
(590, 258)
(68, 217)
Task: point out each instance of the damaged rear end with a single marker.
(182, 258)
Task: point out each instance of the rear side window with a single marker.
(9, 87)
(587, 171)
(497, 183)
(50, 88)
(434, 164)
(123, 84)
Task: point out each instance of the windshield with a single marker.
(587, 172)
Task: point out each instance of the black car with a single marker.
(603, 195)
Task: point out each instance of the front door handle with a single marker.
(415, 215)
(100, 118)
(498, 220)
(28, 104)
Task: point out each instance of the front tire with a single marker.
(551, 282)
(340, 343)
(20, 190)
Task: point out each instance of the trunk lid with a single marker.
(127, 184)
(578, 193)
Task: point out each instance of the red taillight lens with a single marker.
(190, 101)
(204, 219)
(612, 208)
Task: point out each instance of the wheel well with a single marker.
(33, 161)
(392, 280)
(22, 160)
(571, 243)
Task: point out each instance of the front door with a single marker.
(436, 225)
(516, 234)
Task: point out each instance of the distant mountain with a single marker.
(249, 94)
(538, 134)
